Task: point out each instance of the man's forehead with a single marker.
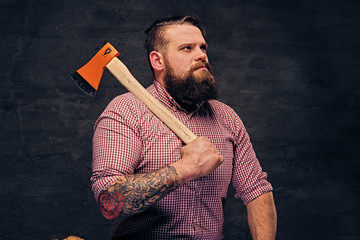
(179, 34)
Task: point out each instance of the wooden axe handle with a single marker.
(123, 75)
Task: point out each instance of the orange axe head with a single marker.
(88, 77)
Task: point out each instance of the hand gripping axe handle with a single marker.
(88, 79)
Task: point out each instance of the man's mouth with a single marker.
(202, 69)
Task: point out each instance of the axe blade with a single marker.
(83, 84)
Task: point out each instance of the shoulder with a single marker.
(223, 110)
(127, 102)
(226, 115)
(124, 109)
(124, 102)
(220, 106)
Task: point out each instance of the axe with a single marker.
(88, 79)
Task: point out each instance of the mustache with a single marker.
(201, 65)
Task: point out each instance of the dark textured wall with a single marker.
(288, 68)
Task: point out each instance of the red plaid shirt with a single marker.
(129, 139)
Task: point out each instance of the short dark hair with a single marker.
(155, 33)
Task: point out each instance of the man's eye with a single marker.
(187, 48)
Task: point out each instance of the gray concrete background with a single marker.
(288, 68)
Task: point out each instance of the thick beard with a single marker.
(193, 88)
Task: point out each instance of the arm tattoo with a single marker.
(135, 193)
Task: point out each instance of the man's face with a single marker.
(186, 47)
(188, 75)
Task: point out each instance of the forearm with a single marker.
(131, 194)
(262, 217)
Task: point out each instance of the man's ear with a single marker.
(157, 61)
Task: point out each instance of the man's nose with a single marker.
(200, 55)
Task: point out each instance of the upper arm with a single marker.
(116, 146)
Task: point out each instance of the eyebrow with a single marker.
(193, 44)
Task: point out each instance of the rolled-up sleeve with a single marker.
(249, 180)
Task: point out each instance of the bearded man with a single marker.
(146, 181)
